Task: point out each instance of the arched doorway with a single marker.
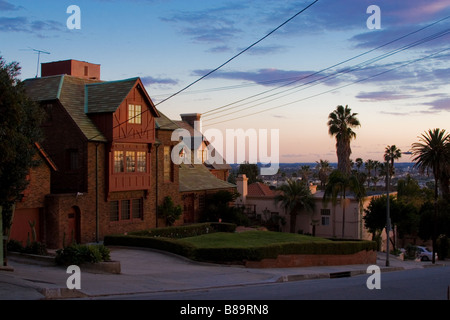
(73, 225)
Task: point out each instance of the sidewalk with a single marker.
(146, 271)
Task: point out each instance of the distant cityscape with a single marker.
(292, 170)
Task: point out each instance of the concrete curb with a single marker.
(99, 267)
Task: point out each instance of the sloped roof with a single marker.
(69, 91)
(259, 189)
(221, 164)
(197, 177)
(72, 99)
(164, 123)
(44, 89)
(107, 96)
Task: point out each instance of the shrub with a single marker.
(81, 253)
(187, 231)
(34, 247)
(14, 246)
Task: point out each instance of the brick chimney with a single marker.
(242, 188)
(79, 69)
(190, 118)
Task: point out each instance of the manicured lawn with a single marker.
(248, 239)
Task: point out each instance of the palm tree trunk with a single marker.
(343, 216)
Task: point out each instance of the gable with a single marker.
(106, 97)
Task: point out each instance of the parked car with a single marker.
(424, 254)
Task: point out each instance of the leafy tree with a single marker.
(250, 170)
(403, 215)
(432, 153)
(340, 124)
(294, 197)
(19, 131)
(169, 211)
(218, 208)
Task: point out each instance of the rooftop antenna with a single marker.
(39, 57)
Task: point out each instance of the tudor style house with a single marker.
(111, 158)
(103, 138)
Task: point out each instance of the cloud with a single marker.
(6, 6)
(212, 25)
(38, 27)
(149, 80)
(16, 24)
(440, 104)
(383, 96)
(267, 76)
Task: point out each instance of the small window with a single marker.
(325, 217)
(167, 164)
(86, 71)
(135, 114)
(114, 211)
(136, 208)
(125, 210)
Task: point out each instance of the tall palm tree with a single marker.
(432, 153)
(369, 166)
(392, 153)
(324, 169)
(340, 124)
(294, 197)
(359, 163)
(305, 172)
(339, 185)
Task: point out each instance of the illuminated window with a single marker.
(134, 113)
(167, 164)
(131, 161)
(118, 161)
(141, 161)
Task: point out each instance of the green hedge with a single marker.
(187, 231)
(272, 251)
(159, 243)
(236, 255)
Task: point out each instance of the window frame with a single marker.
(134, 113)
(126, 210)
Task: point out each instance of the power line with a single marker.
(217, 110)
(333, 75)
(334, 89)
(223, 64)
(237, 55)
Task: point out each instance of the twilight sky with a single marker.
(396, 78)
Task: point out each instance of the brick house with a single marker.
(31, 207)
(218, 168)
(110, 151)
